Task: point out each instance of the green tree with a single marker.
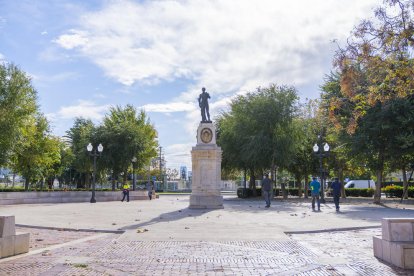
(306, 128)
(256, 134)
(126, 133)
(37, 152)
(375, 68)
(64, 170)
(80, 135)
(17, 105)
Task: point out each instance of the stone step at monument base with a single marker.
(12, 243)
(206, 202)
(400, 254)
(397, 243)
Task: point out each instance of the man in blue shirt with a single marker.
(267, 190)
(336, 190)
(315, 186)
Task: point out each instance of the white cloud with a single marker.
(170, 107)
(178, 155)
(229, 48)
(59, 77)
(73, 39)
(224, 46)
(2, 57)
(84, 109)
(2, 21)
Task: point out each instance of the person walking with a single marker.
(149, 189)
(267, 190)
(125, 191)
(315, 186)
(336, 190)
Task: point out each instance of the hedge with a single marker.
(243, 193)
(247, 192)
(355, 192)
(397, 191)
(351, 192)
(21, 189)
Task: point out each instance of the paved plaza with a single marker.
(164, 237)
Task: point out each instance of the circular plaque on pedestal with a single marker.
(206, 135)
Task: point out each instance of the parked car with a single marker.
(360, 184)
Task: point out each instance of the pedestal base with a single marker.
(206, 202)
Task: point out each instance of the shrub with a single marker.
(369, 192)
(410, 191)
(291, 191)
(397, 191)
(244, 193)
(21, 189)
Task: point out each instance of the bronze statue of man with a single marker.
(203, 103)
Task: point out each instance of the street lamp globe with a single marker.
(100, 148)
(326, 147)
(315, 148)
(89, 147)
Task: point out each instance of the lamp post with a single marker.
(321, 152)
(134, 161)
(97, 152)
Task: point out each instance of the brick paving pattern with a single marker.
(41, 238)
(300, 256)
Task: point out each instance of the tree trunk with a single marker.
(306, 185)
(298, 180)
(253, 182)
(283, 188)
(272, 178)
(405, 183)
(125, 178)
(275, 171)
(113, 181)
(245, 178)
(26, 183)
(377, 194)
(341, 179)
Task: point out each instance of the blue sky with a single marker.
(85, 56)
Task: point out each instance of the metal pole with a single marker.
(149, 174)
(93, 200)
(160, 166)
(133, 176)
(322, 174)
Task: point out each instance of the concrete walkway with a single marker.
(165, 237)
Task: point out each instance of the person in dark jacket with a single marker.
(336, 191)
(267, 190)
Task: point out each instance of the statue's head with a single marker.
(203, 89)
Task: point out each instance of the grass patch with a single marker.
(80, 265)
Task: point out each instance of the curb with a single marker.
(71, 229)
(332, 230)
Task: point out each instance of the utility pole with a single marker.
(161, 180)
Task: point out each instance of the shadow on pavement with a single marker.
(375, 213)
(170, 216)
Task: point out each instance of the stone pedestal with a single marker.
(397, 243)
(206, 169)
(12, 243)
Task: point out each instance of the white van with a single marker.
(360, 184)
